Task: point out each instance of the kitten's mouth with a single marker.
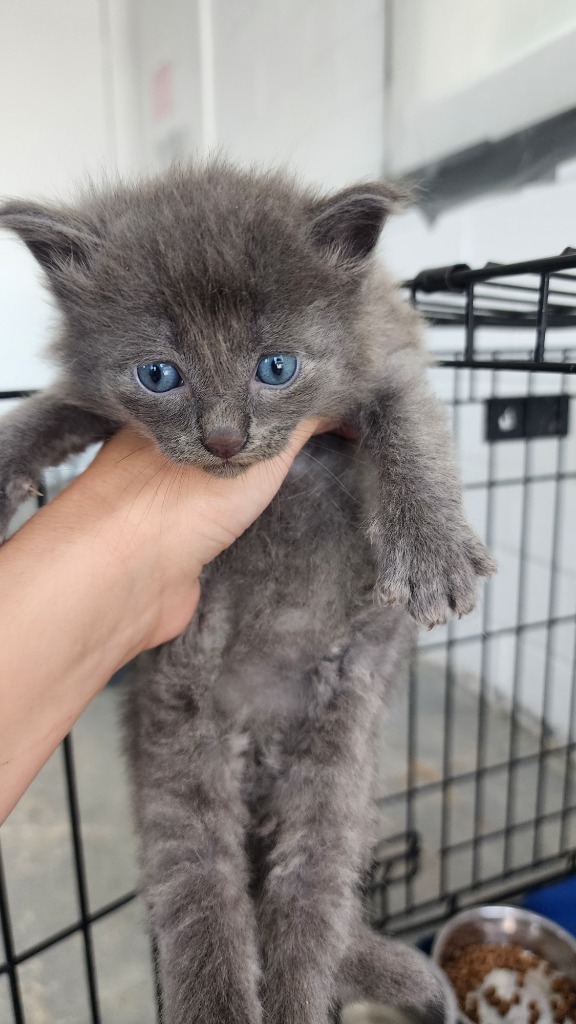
(229, 467)
(234, 465)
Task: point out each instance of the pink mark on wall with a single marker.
(163, 92)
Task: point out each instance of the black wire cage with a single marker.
(476, 794)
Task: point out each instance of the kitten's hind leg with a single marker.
(191, 824)
(320, 807)
(42, 431)
(380, 970)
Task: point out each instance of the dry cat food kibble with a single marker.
(507, 983)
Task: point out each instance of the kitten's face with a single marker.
(215, 310)
(227, 390)
(219, 372)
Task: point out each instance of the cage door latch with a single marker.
(508, 419)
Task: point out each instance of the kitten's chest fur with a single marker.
(284, 595)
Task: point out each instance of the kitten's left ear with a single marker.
(349, 223)
(60, 239)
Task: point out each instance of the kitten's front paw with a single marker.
(436, 576)
(13, 492)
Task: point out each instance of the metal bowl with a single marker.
(504, 926)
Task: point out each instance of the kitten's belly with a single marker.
(276, 602)
(255, 692)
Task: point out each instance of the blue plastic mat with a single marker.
(557, 902)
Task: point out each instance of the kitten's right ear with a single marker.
(60, 239)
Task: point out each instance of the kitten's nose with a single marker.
(224, 443)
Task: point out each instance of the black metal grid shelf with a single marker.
(534, 294)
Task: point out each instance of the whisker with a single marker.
(341, 455)
(139, 473)
(333, 475)
(153, 498)
(312, 492)
(145, 484)
(130, 454)
(128, 484)
(171, 482)
(179, 477)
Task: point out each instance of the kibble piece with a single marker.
(472, 1008)
(469, 966)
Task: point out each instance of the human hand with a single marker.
(161, 523)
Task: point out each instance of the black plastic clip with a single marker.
(508, 419)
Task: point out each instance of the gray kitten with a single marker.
(215, 309)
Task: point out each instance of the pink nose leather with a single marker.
(224, 443)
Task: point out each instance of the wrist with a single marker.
(79, 556)
(143, 550)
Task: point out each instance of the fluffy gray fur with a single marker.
(251, 736)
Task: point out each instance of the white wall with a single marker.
(53, 126)
(302, 83)
(276, 82)
(65, 112)
(167, 61)
(443, 46)
(466, 72)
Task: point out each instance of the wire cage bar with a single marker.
(476, 795)
(535, 294)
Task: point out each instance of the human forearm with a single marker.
(63, 611)
(108, 569)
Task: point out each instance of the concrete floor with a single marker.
(38, 861)
(502, 792)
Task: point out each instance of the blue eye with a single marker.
(277, 369)
(159, 377)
